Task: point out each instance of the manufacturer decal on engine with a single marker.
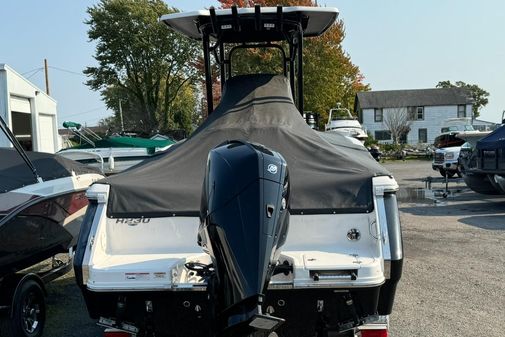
(272, 168)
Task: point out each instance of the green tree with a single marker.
(184, 108)
(330, 77)
(479, 95)
(141, 62)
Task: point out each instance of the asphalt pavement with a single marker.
(454, 271)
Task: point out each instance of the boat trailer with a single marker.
(22, 298)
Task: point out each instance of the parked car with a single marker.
(445, 158)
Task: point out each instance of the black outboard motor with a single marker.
(244, 222)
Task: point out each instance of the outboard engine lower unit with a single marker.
(244, 222)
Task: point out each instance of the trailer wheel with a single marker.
(28, 312)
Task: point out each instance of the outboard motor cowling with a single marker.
(244, 222)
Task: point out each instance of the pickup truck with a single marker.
(445, 158)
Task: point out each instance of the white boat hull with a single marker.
(108, 160)
(325, 260)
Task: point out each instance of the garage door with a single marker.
(46, 132)
(20, 104)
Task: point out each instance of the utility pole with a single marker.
(47, 77)
(121, 116)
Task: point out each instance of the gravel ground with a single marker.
(454, 269)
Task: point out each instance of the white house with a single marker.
(426, 108)
(28, 111)
(482, 125)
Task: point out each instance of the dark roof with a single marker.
(415, 97)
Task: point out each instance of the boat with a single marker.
(112, 154)
(341, 120)
(490, 158)
(256, 223)
(467, 162)
(42, 205)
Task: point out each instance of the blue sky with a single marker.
(397, 45)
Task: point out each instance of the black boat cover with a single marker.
(495, 140)
(326, 177)
(15, 173)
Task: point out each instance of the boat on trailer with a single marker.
(487, 161)
(42, 205)
(113, 154)
(467, 162)
(256, 223)
(482, 159)
(342, 121)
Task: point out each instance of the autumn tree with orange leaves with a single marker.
(330, 77)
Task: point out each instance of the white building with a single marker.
(28, 111)
(426, 108)
(482, 125)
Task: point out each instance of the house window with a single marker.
(411, 110)
(420, 113)
(461, 111)
(383, 135)
(423, 135)
(416, 113)
(378, 116)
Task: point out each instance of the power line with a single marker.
(67, 71)
(93, 120)
(27, 72)
(85, 112)
(35, 73)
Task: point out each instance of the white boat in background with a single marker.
(345, 123)
(111, 154)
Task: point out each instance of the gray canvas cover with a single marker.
(326, 176)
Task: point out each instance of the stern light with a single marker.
(374, 333)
